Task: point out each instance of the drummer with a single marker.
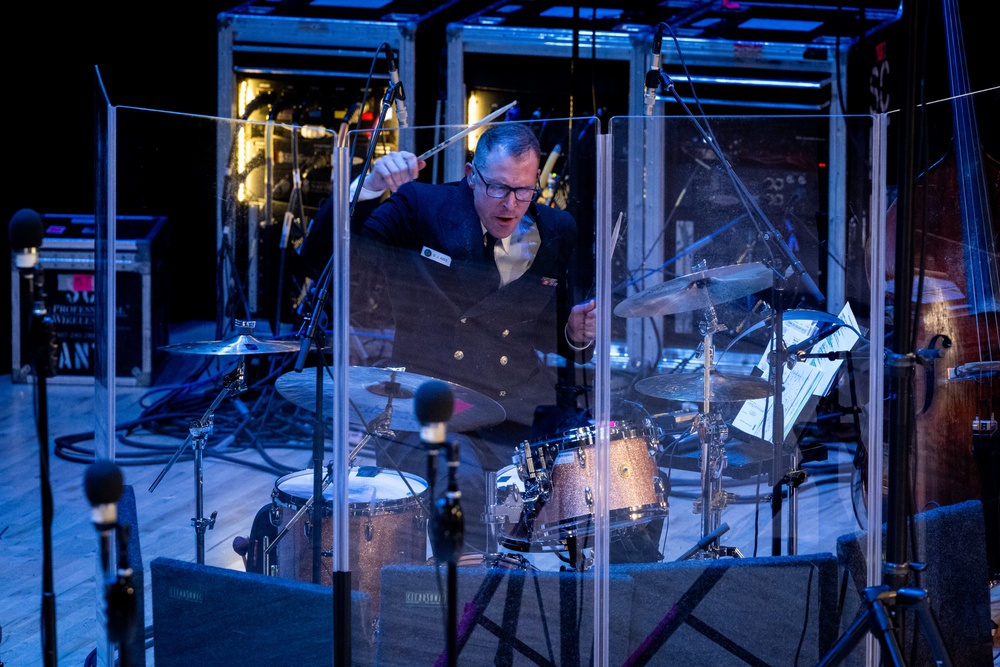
(478, 278)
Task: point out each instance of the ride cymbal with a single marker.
(373, 390)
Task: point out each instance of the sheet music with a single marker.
(807, 378)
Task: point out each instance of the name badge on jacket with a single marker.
(435, 256)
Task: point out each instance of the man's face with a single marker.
(501, 216)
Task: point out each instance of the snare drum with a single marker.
(559, 478)
(387, 524)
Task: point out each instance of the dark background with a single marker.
(163, 56)
(151, 55)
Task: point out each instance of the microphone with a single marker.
(26, 233)
(653, 75)
(104, 484)
(400, 96)
(796, 352)
(433, 404)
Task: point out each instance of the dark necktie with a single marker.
(489, 243)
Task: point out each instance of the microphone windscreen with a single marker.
(103, 483)
(26, 230)
(241, 545)
(433, 402)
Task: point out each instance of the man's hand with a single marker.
(581, 328)
(393, 170)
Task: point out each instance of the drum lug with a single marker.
(369, 530)
(588, 497)
(274, 516)
(581, 457)
(654, 439)
(659, 490)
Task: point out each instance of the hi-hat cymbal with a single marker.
(691, 387)
(697, 290)
(372, 388)
(240, 344)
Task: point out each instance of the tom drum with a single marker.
(557, 484)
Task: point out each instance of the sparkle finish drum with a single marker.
(550, 490)
(387, 524)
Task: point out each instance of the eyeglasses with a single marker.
(500, 191)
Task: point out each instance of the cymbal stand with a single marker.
(232, 384)
(712, 434)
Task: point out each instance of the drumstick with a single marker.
(455, 137)
(617, 230)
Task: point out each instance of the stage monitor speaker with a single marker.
(529, 618)
(754, 611)
(206, 616)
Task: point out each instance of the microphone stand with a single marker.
(310, 333)
(782, 472)
(448, 537)
(120, 601)
(44, 359)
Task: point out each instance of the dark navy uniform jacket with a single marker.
(452, 320)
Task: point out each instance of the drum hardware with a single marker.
(489, 516)
(505, 561)
(199, 429)
(270, 569)
(533, 464)
(276, 515)
(711, 429)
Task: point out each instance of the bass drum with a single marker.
(387, 524)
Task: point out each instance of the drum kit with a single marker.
(543, 501)
(702, 290)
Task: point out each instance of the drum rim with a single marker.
(586, 434)
(360, 508)
(617, 519)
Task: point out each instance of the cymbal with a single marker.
(240, 344)
(691, 387)
(370, 389)
(697, 290)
